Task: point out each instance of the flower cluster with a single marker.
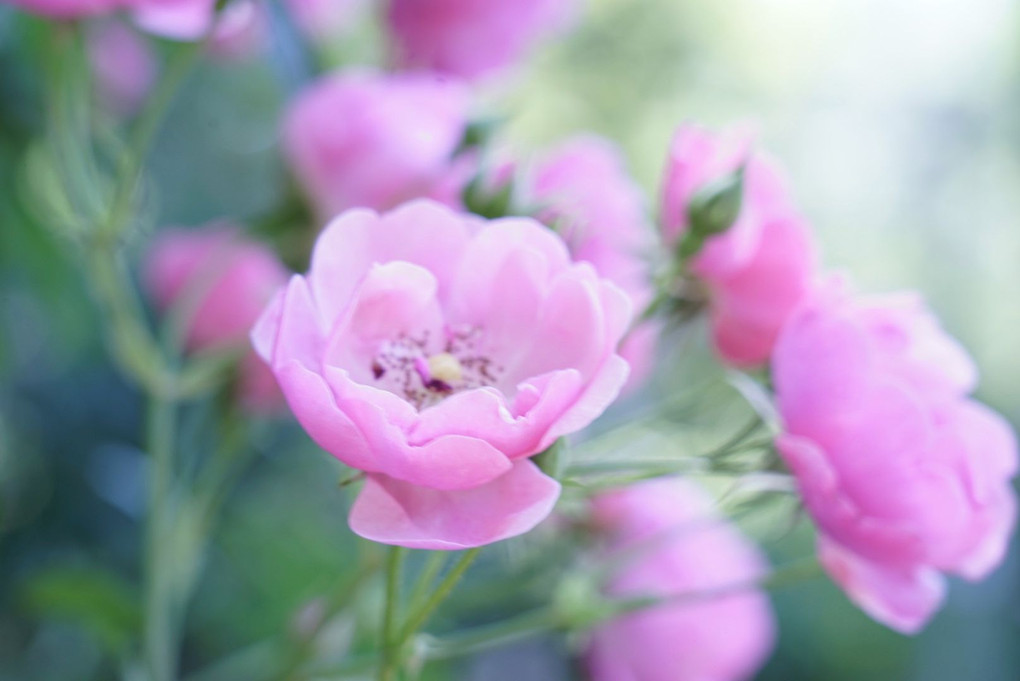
(457, 326)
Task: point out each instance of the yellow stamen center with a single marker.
(445, 367)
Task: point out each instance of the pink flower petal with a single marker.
(570, 331)
(364, 139)
(176, 19)
(316, 410)
(446, 462)
(749, 308)
(394, 512)
(901, 598)
(469, 38)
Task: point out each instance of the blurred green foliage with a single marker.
(896, 124)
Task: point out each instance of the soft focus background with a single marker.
(895, 119)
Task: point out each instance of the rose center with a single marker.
(424, 370)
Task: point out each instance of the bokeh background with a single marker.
(895, 120)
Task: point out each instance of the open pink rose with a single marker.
(905, 476)
(758, 270)
(470, 38)
(219, 282)
(360, 139)
(586, 194)
(437, 352)
(672, 544)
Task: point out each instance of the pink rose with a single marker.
(758, 270)
(905, 476)
(599, 211)
(359, 139)
(437, 352)
(123, 64)
(220, 282)
(470, 38)
(671, 543)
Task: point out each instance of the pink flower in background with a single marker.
(763, 266)
(437, 352)
(219, 282)
(586, 194)
(672, 543)
(67, 9)
(359, 139)
(123, 65)
(241, 31)
(470, 38)
(905, 476)
(325, 19)
(175, 19)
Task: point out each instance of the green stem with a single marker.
(687, 464)
(176, 71)
(726, 447)
(419, 616)
(388, 644)
(161, 616)
(711, 461)
(791, 573)
(133, 345)
(229, 460)
(303, 648)
(493, 635)
(433, 566)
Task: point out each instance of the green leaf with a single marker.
(89, 597)
(712, 211)
(553, 461)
